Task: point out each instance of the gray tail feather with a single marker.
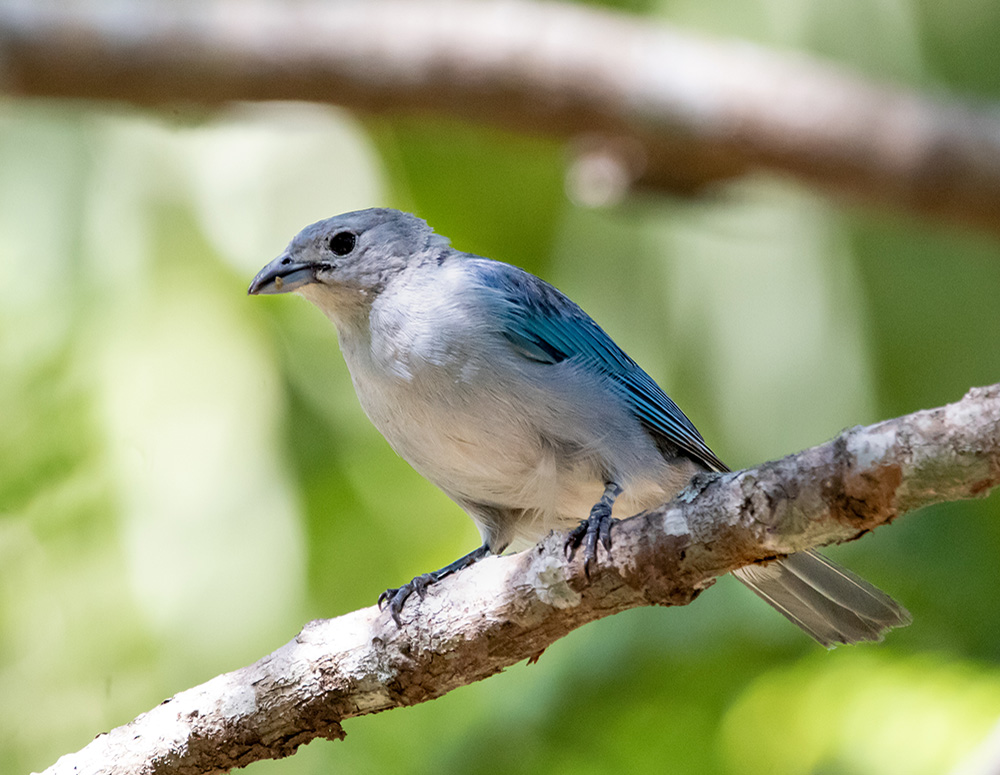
(829, 602)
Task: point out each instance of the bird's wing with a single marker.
(545, 326)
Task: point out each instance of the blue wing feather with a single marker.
(545, 326)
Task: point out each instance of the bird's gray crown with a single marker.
(393, 231)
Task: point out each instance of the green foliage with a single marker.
(186, 476)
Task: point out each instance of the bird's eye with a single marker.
(342, 243)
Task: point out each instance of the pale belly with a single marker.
(496, 458)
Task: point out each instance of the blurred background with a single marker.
(186, 476)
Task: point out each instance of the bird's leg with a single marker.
(395, 598)
(596, 527)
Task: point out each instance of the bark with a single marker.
(507, 609)
(644, 104)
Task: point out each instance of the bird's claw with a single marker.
(395, 598)
(591, 531)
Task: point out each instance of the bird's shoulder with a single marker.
(540, 320)
(521, 290)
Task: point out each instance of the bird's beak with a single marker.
(282, 275)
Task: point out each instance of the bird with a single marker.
(504, 393)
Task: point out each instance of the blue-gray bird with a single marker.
(505, 394)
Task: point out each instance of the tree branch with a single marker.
(506, 609)
(666, 110)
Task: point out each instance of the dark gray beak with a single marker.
(282, 275)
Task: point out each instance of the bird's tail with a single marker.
(829, 602)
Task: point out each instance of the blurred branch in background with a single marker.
(506, 609)
(646, 105)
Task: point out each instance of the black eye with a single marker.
(342, 243)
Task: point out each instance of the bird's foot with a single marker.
(595, 529)
(395, 597)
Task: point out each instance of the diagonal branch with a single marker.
(507, 609)
(651, 106)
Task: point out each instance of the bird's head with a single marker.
(344, 262)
